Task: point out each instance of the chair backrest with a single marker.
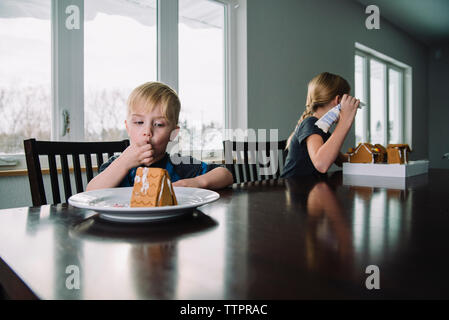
(255, 161)
(52, 149)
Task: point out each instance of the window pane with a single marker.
(119, 54)
(360, 132)
(377, 103)
(395, 109)
(25, 73)
(201, 74)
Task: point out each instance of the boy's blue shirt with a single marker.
(179, 168)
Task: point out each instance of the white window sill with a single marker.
(12, 162)
(15, 164)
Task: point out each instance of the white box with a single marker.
(412, 168)
(398, 183)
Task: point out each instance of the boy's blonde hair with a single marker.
(151, 94)
(322, 89)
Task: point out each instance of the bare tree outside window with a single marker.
(25, 58)
(107, 111)
(24, 114)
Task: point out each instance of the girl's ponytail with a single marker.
(307, 113)
(321, 90)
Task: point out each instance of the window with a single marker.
(120, 47)
(201, 74)
(25, 81)
(377, 104)
(360, 90)
(395, 110)
(381, 82)
(75, 84)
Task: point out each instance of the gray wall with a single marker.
(15, 191)
(438, 138)
(290, 41)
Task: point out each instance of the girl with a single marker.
(311, 150)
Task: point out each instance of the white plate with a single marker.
(113, 204)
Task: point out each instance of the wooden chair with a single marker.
(249, 161)
(34, 149)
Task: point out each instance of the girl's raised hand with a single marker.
(349, 107)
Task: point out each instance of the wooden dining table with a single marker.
(297, 238)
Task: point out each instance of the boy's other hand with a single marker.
(192, 182)
(136, 155)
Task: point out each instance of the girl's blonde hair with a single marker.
(322, 89)
(149, 95)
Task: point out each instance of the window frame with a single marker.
(67, 63)
(405, 71)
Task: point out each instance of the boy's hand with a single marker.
(136, 155)
(349, 107)
(215, 179)
(192, 182)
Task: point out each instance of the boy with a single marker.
(152, 119)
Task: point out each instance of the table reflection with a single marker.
(381, 221)
(154, 270)
(99, 230)
(329, 238)
(370, 229)
(47, 242)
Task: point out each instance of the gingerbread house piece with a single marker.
(382, 153)
(398, 153)
(367, 153)
(152, 188)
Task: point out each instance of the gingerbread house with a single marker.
(152, 188)
(398, 153)
(367, 153)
